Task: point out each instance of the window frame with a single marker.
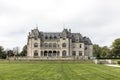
(35, 45)
(64, 45)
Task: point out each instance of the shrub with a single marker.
(118, 62)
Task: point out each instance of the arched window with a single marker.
(54, 45)
(63, 53)
(64, 45)
(45, 53)
(54, 53)
(50, 53)
(35, 44)
(35, 53)
(50, 45)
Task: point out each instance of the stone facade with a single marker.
(58, 44)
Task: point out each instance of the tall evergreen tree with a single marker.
(2, 53)
(24, 51)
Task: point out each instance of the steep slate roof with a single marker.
(57, 35)
(87, 41)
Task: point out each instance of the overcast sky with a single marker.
(97, 19)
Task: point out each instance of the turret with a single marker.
(65, 33)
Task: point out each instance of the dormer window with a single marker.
(46, 37)
(35, 38)
(63, 38)
(50, 37)
(55, 37)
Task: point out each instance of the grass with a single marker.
(56, 70)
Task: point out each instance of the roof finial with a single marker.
(63, 26)
(36, 26)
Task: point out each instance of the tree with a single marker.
(10, 53)
(96, 51)
(116, 47)
(2, 53)
(105, 51)
(24, 51)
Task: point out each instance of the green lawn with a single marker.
(59, 70)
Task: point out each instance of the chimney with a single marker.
(29, 33)
(70, 30)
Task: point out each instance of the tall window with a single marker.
(80, 53)
(58, 53)
(73, 45)
(54, 45)
(42, 44)
(74, 53)
(35, 53)
(77, 40)
(73, 40)
(35, 44)
(55, 37)
(64, 45)
(58, 45)
(64, 53)
(50, 45)
(42, 53)
(80, 45)
(46, 45)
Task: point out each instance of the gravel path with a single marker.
(113, 65)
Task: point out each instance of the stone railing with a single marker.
(106, 61)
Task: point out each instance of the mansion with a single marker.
(58, 44)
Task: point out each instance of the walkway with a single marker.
(113, 65)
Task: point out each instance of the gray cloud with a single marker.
(98, 19)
